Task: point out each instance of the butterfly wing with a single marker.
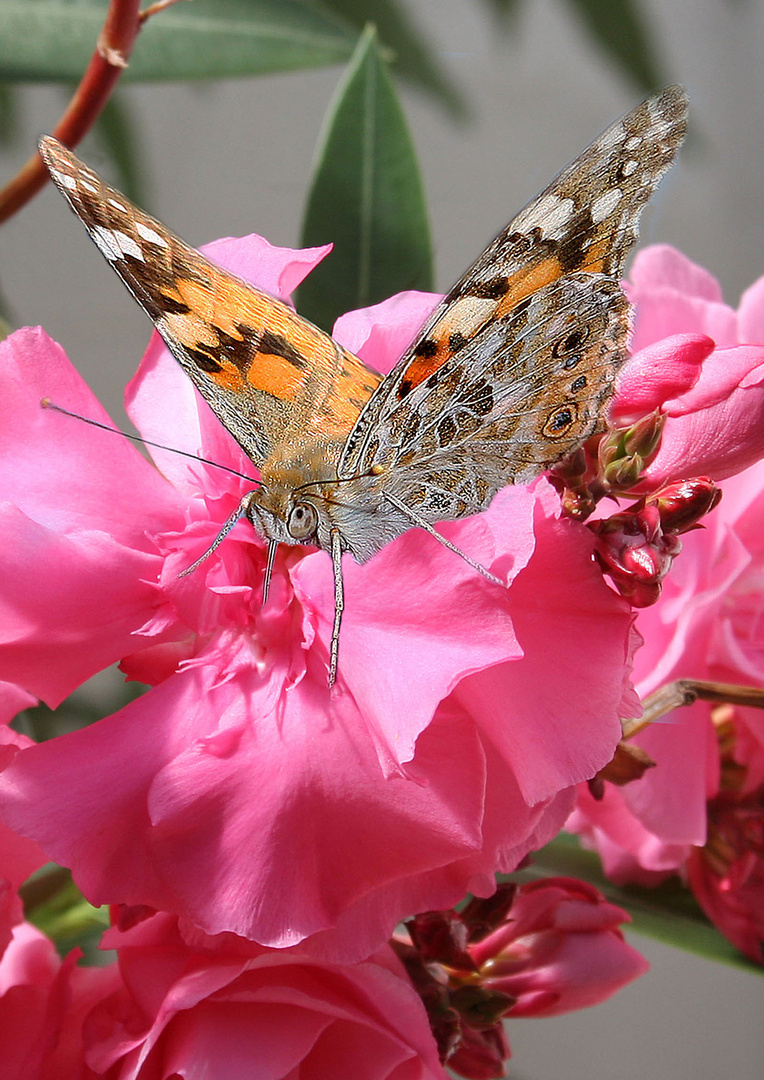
(270, 376)
(562, 254)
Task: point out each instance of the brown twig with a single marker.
(154, 9)
(115, 43)
(685, 692)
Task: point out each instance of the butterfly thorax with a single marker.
(302, 501)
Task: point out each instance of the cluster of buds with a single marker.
(538, 949)
(637, 546)
(607, 465)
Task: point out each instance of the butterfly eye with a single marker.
(303, 521)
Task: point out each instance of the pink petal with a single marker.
(398, 611)
(675, 296)
(380, 334)
(61, 472)
(529, 708)
(276, 270)
(664, 370)
(717, 428)
(662, 265)
(81, 534)
(751, 314)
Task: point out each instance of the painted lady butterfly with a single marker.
(514, 369)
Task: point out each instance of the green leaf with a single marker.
(412, 56)
(52, 40)
(366, 197)
(668, 913)
(619, 27)
(54, 904)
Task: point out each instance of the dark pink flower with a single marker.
(714, 399)
(239, 791)
(727, 873)
(708, 621)
(225, 1010)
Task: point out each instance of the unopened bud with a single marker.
(682, 504)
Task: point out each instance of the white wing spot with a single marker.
(64, 179)
(629, 167)
(127, 245)
(551, 215)
(604, 206)
(88, 186)
(105, 241)
(610, 139)
(118, 205)
(633, 142)
(466, 315)
(151, 235)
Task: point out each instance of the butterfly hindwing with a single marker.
(525, 391)
(584, 223)
(270, 376)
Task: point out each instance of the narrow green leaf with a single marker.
(668, 913)
(621, 30)
(366, 197)
(52, 40)
(412, 56)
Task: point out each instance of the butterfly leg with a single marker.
(415, 519)
(241, 511)
(273, 546)
(339, 605)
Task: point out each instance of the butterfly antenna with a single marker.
(415, 519)
(272, 549)
(46, 403)
(339, 605)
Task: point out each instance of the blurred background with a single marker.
(516, 89)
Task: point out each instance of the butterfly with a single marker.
(513, 370)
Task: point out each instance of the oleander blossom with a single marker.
(239, 792)
(230, 1004)
(708, 621)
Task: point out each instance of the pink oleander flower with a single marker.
(43, 1003)
(715, 419)
(226, 1008)
(239, 792)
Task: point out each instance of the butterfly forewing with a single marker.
(270, 376)
(584, 222)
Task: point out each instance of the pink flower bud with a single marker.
(560, 950)
(682, 504)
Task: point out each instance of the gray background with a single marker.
(232, 158)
